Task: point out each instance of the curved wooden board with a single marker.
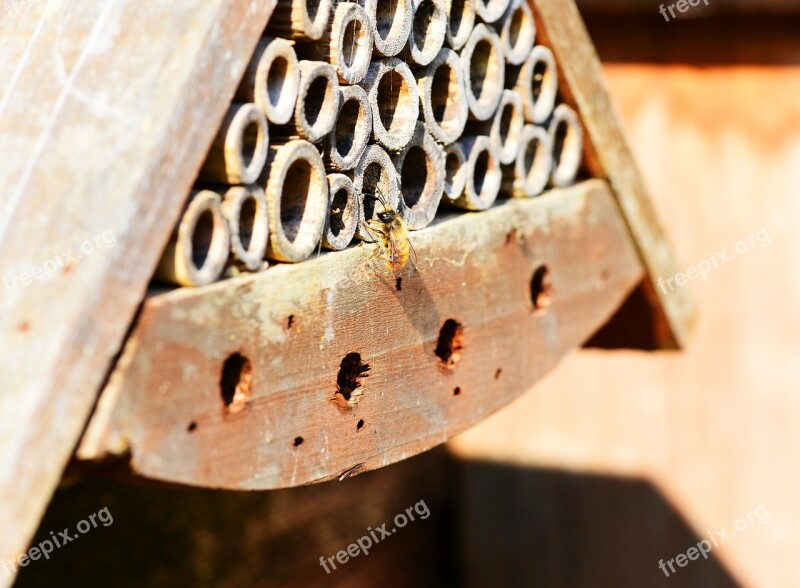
(164, 408)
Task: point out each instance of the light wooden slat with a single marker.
(107, 108)
(560, 27)
(295, 323)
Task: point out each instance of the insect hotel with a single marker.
(339, 234)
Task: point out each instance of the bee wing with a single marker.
(413, 253)
(395, 252)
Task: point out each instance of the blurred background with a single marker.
(618, 459)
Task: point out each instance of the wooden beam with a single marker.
(107, 109)
(560, 27)
(235, 385)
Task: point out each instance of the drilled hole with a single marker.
(349, 379)
(456, 390)
(298, 441)
(414, 175)
(290, 321)
(352, 42)
(317, 97)
(450, 344)
(346, 123)
(192, 427)
(422, 29)
(398, 284)
(498, 373)
(394, 101)
(201, 238)
(250, 138)
(360, 425)
(236, 382)
(276, 79)
(247, 219)
(541, 288)
(296, 190)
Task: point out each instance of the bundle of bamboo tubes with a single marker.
(426, 101)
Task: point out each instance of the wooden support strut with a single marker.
(215, 389)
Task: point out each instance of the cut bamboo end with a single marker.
(349, 46)
(460, 21)
(375, 171)
(245, 210)
(484, 70)
(491, 10)
(507, 127)
(297, 200)
(239, 150)
(428, 27)
(344, 213)
(420, 167)
(391, 24)
(272, 79)
(198, 250)
(394, 101)
(519, 32)
(317, 100)
(352, 130)
(483, 176)
(442, 94)
(455, 170)
(566, 137)
(300, 19)
(534, 162)
(537, 84)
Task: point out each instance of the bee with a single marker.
(390, 232)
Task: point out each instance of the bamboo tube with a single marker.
(455, 170)
(537, 84)
(239, 150)
(347, 43)
(483, 174)
(198, 249)
(420, 167)
(519, 32)
(443, 97)
(460, 21)
(566, 136)
(245, 210)
(391, 24)
(317, 103)
(271, 80)
(534, 162)
(375, 171)
(297, 200)
(352, 130)
(394, 101)
(300, 19)
(484, 71)
(344, 213)
(491, 10)
(428, 26)
(507, 127)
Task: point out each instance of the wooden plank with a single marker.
(560, 27)
(107, 109)
(286, 425)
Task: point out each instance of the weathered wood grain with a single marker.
(559, 26)
(107, 109)
(286, 425)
